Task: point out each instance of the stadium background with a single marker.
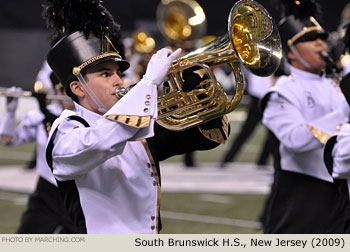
(23, 47)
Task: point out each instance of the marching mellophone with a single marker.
(252, 41)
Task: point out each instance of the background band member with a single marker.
(45, 213)
(303, 110)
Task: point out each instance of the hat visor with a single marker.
(313, 35)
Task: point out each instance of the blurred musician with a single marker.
(45, 213)
(303, 110)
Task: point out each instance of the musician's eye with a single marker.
(105, 74)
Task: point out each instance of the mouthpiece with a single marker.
(324, 54)
(331, 65)
(326, 57)
(121, 91)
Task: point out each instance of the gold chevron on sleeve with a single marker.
(132, 121)
(318, 134)
(225, 126)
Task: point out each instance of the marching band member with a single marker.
(45, 213)
(105, 154)
(336, 151)
(303, 110)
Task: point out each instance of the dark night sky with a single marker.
(26, 14)
(24, 37)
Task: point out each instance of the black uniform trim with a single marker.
(345, 87)
(68, 189)
(45, 213)
(263, 103)
(165, 143)
(314, 206)
(327, 153)
(79, 119)
(71, 200)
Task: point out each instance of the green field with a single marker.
(237, 207)
(186, 213)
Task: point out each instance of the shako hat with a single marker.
(86, 36)
(298, 23)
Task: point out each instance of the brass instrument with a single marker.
(252, 41)
(8, 92)
(143, 42)
(142, 48)
(181, 21)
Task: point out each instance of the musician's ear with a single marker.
(77, 89)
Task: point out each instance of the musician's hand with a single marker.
(12, 102)
(191, 79)
(158, 66)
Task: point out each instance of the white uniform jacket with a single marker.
(109, 168)
(303, 111)
(109, 179)
(31, 129)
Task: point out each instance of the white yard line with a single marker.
(210, 219)
(14, 197)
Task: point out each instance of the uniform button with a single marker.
(153, 227)
(147, 103)
(337, 128)
(153, 217)
(148, 96)
(148, 165)
(152, 174)
(145, 110)
(155, 183)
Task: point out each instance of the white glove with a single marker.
(345, 109)
(12, 102)
(158, 66)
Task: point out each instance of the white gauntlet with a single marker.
(12, 102)
(158, 66)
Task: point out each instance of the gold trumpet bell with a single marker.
(252, 41)
(255, 38)
(181, 21)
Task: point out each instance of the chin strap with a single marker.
(100, 107)
(302, 61)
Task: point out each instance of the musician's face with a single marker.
(103, 80)
(310, 52)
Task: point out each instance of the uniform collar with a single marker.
(295, 72)
(88, 115)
